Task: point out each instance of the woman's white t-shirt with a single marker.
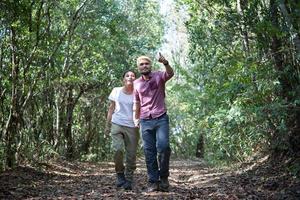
(123, 113)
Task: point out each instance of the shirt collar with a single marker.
(150, 76)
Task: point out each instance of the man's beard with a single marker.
(145, 73)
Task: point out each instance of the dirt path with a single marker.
(189, 180)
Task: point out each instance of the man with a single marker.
(151, 114)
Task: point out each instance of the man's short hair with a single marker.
(138, 60)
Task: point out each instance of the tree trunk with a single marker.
(57, 121)
(2, 95)
(294, 33)
(70, 105)
(241, 6)
(12, 125)
(69, 122)
(200, 147)
(89, 132)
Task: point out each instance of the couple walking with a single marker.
(140, 104)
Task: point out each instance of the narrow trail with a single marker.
(189, 180)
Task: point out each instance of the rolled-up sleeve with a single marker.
(166, 76)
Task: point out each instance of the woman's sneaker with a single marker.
(121, 180)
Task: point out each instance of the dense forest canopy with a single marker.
(236, 92)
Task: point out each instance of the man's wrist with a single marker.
(166, 63)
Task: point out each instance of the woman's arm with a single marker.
(111, 109)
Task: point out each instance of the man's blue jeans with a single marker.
(155, 135)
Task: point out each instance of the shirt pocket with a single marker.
(149, 88)
(153, 85)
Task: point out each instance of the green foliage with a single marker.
(59, 60)
(70, 54)
(229, 90)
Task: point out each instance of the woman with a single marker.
(123, 131)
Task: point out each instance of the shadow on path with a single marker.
(189, 180)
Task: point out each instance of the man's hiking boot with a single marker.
(127, 185)
(121, 180)
(164, 185)
(152, 187)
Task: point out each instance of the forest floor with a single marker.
(189, 179)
